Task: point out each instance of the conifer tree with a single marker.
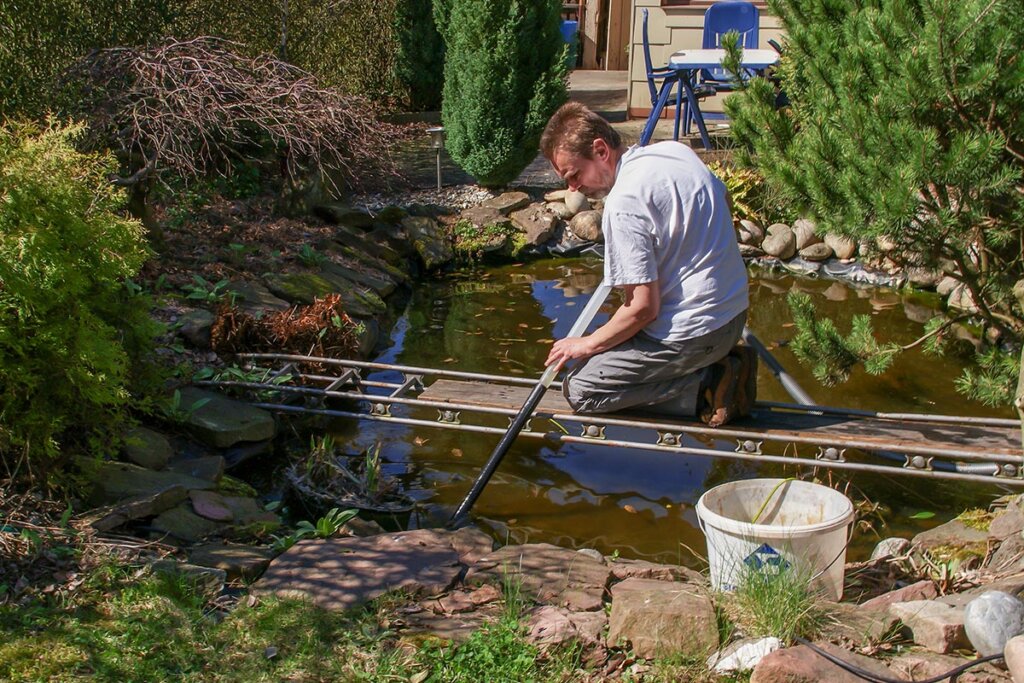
(906, 122)
(504, 76)
(419, 62)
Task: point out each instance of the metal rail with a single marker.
(374, 399)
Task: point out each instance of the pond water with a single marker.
(502, 321)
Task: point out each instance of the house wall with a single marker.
(671, 29)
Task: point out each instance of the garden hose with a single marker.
(952, 674)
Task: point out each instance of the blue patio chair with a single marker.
(670, 78)
(721, 18)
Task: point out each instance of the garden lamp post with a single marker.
(437, 142)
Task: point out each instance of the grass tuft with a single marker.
(780, 603)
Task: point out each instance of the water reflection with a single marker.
(503, 320)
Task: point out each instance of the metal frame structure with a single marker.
(285, 387)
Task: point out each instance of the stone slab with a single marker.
(113, 482)
(147, 448)
(935, 626)
(222, 422)
(237, 561)
(185, 525)
(343, 573)
(140, 507)
(802, 665)
(208, 467)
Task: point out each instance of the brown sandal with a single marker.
(720, 396)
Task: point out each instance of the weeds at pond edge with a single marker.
(780, 603)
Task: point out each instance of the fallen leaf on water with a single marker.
(787, 324)
(449, 360)
(457, 452)
(420, 441)
(523, 326)
(513, 520)
(629, 508)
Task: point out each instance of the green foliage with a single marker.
(72, 336)
(752, 198)
(419, 62)
(779, 602)
(831, 355)
(906, 122)
(994, 380)
(504, 76)
(310, 257)
(202, 290)
(496, 652)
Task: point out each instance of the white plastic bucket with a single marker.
(802, 525)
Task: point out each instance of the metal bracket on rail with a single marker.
(669, 439)
(350, 376)
(526, 425)
(831, 453)
(380, 409)
(450, 417)
(918, 462)
(410, 384)
(592, 431)
(749, 446)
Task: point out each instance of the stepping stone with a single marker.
(222, 422)
(662, 618)
(113, 482)
(147, 448)
(140, 507)
(237, 561)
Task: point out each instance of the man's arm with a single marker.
(641, 308)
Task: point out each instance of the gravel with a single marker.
(454, 198)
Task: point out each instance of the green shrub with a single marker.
(419, 64)
(70, 331)
(504, 76)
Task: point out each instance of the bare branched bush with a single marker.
(196, 106)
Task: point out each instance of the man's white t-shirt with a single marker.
(667, 219)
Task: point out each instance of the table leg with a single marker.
(652, 120)
(695, 109)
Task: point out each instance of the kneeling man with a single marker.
(670, 246)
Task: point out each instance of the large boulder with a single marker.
(147, 448)
(780, 241)
(844, 247)
(934, 625)
(662, 618)
(113, 482)
(586, 225)
(537, 224)
(221, 422)
(430, 241)
(576, 202)
(805, 232)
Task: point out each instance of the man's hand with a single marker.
(570, 348)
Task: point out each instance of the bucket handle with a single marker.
(846, 546)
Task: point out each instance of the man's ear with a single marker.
(600, 149)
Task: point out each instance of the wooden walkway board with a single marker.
(769, 424)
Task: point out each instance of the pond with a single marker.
(502, 321)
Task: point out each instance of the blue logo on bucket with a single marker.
(766, 556)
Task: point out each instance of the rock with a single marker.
(946, 285)
(922, 590)
(836, 292)
(922, 665)
(804, 231)
(550, 574)
(359, 301)
(992, 619)
(857, 625)
(139, 507)
(210, 504)
(844, 247)
(380, 282)
(885, 244)
(237, 561)
(459, 601)
(662, 618)
(576, 202)
(471, 544)
(147, 448)
(222, 422)
(560, 210)
(429, 240)
(536, 223)
(548, 626)
(780, 241)
(924, 278)
(195, 327)
(802, 665)
(456, 628)
(372, 248)
(935, 626)
(1009, 556)
(391, 215)
(890, 547)
(255, 299)
(112, 482)
(586, 225)
(508, 202)
(342, 573)
(483, 217)
(623, 569)
(208, 467)
(1013, 585)
(1013, 654)
(953, 534)
(801, 266)
(961, 299)
(749, 251)
(555, 196)
(750, 233)
(186, 525)
(208, 579)
(299, 288)
(1008, 522)
(742, 655)
(816, 252)
(340, 214)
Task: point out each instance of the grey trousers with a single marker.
(643, 372)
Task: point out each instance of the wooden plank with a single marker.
(590, 34)
(774, 425)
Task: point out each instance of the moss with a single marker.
(976, 518)
(957, 553)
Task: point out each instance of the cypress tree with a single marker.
(906, 122)
(504, 75)
(419, 63)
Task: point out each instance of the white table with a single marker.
(686, 64)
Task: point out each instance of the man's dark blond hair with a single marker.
(573, 128)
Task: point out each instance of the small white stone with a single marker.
(742, 655)
(992, 619)
(890, 547)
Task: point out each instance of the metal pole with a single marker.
(438, 169)
(785, 379)
(519, 421)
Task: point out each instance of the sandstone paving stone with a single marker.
(222, 422)
(429, 240)
(547, 625)
(662, 618)
(342, 573)
(456, 628)
(139, 507)
(991, 619)
(953, 533)
(507, 202)
(921, 590)
(466, 600)
(921, 665)
(185, 525)
(537, 224)
(211, 505)
(471, 544)
(208, 467)
(147, 448)
(934, 625)
(112, 482)
(1009, 556)
(642, 569)
(1013, 654)
(550, 574)
(1006, 523)
(237, 561)
(802, 665)
(858, 626)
